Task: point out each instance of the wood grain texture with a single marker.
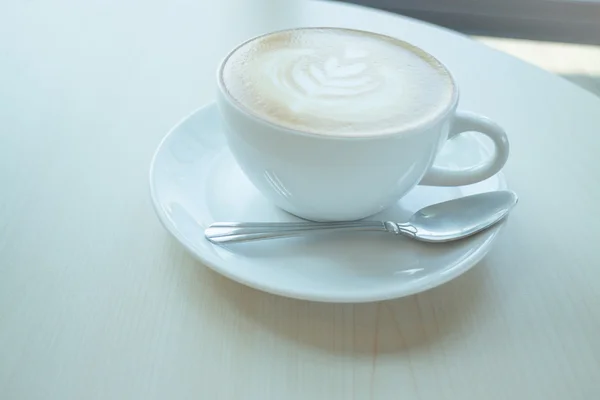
(98, 302)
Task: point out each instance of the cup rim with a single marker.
(435, 119)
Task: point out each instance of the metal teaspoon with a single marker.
(441, 222)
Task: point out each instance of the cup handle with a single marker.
(463, 122)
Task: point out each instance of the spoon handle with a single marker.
(229, 232)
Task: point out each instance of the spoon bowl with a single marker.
(463, 217)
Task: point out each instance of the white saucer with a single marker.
(194, 182)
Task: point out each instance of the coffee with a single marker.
(337, 82)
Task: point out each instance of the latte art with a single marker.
(322, 79)
(336, 81)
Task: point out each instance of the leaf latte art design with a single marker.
(330, 78)
(311, 82)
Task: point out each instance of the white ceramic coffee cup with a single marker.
(334, 178)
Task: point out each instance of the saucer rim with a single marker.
(213, 263)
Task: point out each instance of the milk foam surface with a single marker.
(337, 82)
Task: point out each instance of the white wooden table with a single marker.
(98, 302)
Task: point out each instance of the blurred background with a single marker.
(561, 36)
